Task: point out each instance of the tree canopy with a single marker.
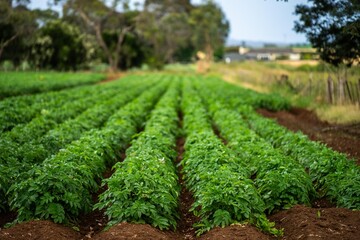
(333, 27)
(111, 31)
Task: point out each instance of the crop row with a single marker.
(22, 109)
(144, 187)
(235, 95)
(19, 157)
(332, 173)
(237, 164)
(223, 192)
(60, 188)
(281, 181)
(19, 83)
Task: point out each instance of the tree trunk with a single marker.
(3, 45)
(97, 28)
(121, 38)
(1, 50)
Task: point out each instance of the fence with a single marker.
(339, 91)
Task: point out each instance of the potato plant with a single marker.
(281, 181)
(144, 187)
(19, 83)
(23, 158)
(332, 173)
(223, 192)
(60, 188)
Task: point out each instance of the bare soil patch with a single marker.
(235, 232)
(112, 77)
(39, 230)
(132, 231)
(302, 222)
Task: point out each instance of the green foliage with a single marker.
(210, 28)
(144, 187)
(280, 181)
(20, 83)
(332, 26)
(333, 174)
(20, 110)
(28, 144)
(17, 25)
(70, 175)
(273, 102)
(7, 65)
(220, 183)
(64, 46)
(237, 164)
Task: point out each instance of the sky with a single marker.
(268, 21)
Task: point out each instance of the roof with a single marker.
(271, 50)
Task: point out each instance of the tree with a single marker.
(210, 28)
(59, 45)
(98, 18)
(333, 27)
(16, 21)
(165, 25)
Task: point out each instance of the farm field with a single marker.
(20, 83)
(170, 156)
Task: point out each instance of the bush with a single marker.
(7, 65)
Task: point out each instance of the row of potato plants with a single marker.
(218, 179)
(22, 109)
(281, 181)
(236, 95)
(334, 175)
(19, 83)
(21, 157)
(72, 129)
(60, 187)
(50, 118)
(144, 187)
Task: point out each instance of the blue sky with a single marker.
(253, 20)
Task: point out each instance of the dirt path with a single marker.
(112, 77)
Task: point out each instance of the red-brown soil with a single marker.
(302, 222)
(112, 77)
(322, 221)
(39, 230)
(133, 231)
(235, 232)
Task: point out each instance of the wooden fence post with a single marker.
(330, 90)
(357, 87)
(348, 90)
(341, 91)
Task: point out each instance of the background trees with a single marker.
(17, 23)
(90, 31)
(210, 29)
(333, 27)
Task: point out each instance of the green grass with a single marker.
(20, 83)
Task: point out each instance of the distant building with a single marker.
(233, 57)
(271, 54)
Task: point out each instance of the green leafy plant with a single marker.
(71, 175)
(223, 192)
(144, 188)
